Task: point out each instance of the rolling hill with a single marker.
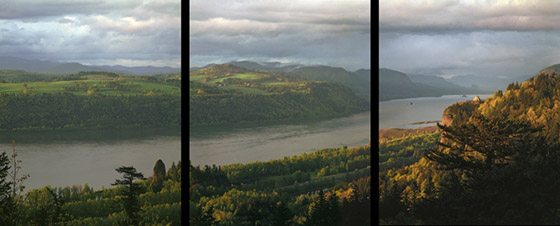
(44, 66)
(396, 85)
(227, 94)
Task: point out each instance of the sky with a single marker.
(93, 32)
(327, 32)
(469, 37)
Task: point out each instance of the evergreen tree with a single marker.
(318, 212)
(6, 203)
(282, 215)
(130, 192)
(501, 172)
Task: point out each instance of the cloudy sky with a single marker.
(101, 32)
(488, 38)
(328, 32)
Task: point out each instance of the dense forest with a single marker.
(88, 100)
(495, 164)
(325, 187)
(226, 94)
(134, 200)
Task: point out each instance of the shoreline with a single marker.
(273, 122)
(391, 133)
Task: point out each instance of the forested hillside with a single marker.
(496, 163)
(359, 82)
(226, 94)
(326, 187)
(87, 100)
(155, 200)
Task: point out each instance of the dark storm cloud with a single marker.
(308, 32)
(93, 32)
(492, 38)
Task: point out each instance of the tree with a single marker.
(500, 171)
(130, 192)
(159, 176)
(318, 211)
(17, 183)
(282, 215)
(6, 203)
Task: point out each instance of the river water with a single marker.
(266, 142)
(400, 112)
(71, 158)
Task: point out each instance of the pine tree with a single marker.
(282, 216)
(130, 192)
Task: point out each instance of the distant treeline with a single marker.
(68, 111)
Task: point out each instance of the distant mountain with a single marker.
(43, 66)
(395, 85)
(492, 83)
(356, 82)
(253, 66)
(143, 70)
(16, 63)
(72, 68)
(266, 66)
(437, 81)
(198, 68)
(364, 74)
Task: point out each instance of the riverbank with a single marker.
(272, 122)
(400, 132)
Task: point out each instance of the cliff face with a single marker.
(459, 112)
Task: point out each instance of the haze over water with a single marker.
(266, 142)
(398, 113)
(59, 159)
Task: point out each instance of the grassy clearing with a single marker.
(196, 78)
(239, 76)
(99, 77)
(134, 86)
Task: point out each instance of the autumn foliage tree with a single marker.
(502, 172)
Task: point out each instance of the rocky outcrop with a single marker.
(459, 112)
(476, 99)
(159, 176)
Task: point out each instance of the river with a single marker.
(67, 158)
(266, 142)
(400, 112)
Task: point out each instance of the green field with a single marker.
(100, 85)
(196, 78)
(239, 76)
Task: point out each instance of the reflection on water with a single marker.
(398, 113)
(265, 142)
(80, 136)
(79, 157)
